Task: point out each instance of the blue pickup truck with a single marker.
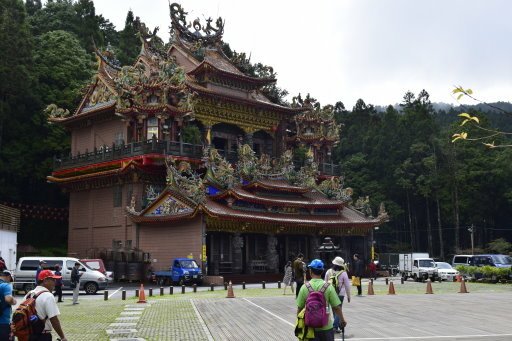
(183, 271)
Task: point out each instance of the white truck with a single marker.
(418, 266)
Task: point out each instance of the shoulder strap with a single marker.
(309, 287)
(324, 287)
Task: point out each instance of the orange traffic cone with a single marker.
(463, 289)
(142, 295)
(429, 287)
(370, 288)
(231, 294)
(391, 290)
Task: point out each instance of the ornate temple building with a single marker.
(182, 154)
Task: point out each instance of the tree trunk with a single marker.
(429, 229)
(411, 228)
(456, 217)
(440, 229)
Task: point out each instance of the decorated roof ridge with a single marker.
(152, 109)
(240, 193)
(203, 35)
(121, 168)
(206, 65)
(344, 219)
(196, 87)
(279, 185)
(168, 190)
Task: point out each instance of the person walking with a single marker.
(372, 267)
(46, 307)
(75, 282)
(58, 283)
(6, 303)
(288, 277)
(337, 276)
(316, 268)
(358, 270)
(299, 272)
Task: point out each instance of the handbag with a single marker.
(72, 285)
(356, 281)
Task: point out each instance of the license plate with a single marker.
(195, 276)
(449, 277)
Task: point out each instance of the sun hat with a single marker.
(338, 261)
(47, 274)
(316, 264)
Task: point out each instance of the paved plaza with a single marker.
(256, 314)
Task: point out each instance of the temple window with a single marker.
(152, 128)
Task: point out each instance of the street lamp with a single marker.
(372, 250)
(472, 231)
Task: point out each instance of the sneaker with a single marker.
(76, 303)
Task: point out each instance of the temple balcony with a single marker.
(168, 148)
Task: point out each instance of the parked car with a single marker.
(25, 274)
(97, 264)
(446, 271)
(499, 261)
(462, 260)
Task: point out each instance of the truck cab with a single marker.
(182, 271)
(418, 266)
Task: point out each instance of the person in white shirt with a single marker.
(339, 270)
(46, 307)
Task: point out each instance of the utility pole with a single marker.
(472, 231)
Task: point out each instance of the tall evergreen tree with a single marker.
(129, 41)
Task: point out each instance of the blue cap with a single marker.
(316, 264)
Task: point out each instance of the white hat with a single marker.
(338, 261)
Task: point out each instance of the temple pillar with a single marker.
(249, 139)
(272, 257)
(238, 244)
(314, 243)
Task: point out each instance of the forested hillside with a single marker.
(403, 155)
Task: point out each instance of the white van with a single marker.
(25, 275)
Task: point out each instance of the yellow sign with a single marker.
(204, 253)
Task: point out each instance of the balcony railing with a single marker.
(117, 152)
(173, 148)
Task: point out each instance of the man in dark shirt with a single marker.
(358, 273)
(299, 273)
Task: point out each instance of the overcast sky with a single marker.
(348, 49)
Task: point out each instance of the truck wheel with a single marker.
(90, 288)
(415, 278)
(181, 281)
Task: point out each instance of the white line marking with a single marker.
(112, 294)
(271, 313)
(427, 337)
(201, 321)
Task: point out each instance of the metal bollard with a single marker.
(279, 284)
(387, 281)
(194, 286)
(225, 285)
(182, 289)
(171, 290)
(105, 295)
(371, 280)
(243, 285)
(161, 291)
(211, 286)
(150, 292)
(402, 280)
(123, 295)
(263, 284)
(136, 292)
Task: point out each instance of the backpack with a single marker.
(333, 280)
(316, 307)
(23, 322)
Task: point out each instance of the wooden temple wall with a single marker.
(95, 136)
(96, 218)
(171, 240)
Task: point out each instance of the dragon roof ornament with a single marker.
(204, 35)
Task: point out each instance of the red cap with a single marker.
(47, 274)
